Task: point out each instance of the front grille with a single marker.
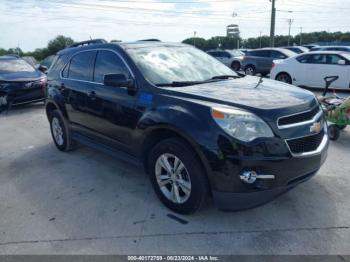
(305, 144)
(297, 118)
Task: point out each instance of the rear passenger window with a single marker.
(277, 55)
(108, 62)
(260, 53)
(81, 66)
(304, 59)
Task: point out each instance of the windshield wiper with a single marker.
(190, 83)
(225, 77)
(182, 83)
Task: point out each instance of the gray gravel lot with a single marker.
(85, 202)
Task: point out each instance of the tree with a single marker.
(58, 43)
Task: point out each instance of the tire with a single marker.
(236, 66)
(192, 191)
(341, 127)
(60, 132)
(284, 77)
(250, 70)
(333, 132)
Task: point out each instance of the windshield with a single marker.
(15, 65)
(236, 53)
(289, 53)
(347, 56)
(167, 64)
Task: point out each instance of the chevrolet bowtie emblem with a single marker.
(316, 128)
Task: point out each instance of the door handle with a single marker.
(92, 95)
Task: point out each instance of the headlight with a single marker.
(241, 124)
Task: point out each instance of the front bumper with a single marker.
(230, 193)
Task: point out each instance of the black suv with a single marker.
(196, 127)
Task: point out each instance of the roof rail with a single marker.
(151, 40)
(88, 42)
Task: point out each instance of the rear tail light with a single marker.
(273, 65)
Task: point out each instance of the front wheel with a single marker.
(177, 176)
(236, 66)
(333, 132)
(250, 70)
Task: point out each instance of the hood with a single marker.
(242, 92)
(21, 76)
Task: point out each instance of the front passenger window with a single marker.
(107, 62)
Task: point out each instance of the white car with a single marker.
(310, 69)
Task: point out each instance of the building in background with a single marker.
(232, 31)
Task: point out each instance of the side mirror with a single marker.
(118, 80)
(43, 69)
(341, 62)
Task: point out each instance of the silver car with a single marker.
(231, 58)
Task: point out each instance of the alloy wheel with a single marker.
(57, 131)
(173, 178)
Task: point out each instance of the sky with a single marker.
(30, 24)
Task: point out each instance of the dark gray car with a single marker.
(260, 60)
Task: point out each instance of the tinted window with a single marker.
(304, 59)
(81, 66)
(108, 62)
(260, 53)
(277, 55)
(225, 54)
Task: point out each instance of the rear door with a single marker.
(264, 61)
(76, 85)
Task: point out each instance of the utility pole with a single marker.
(260, 38)
(301, 33)
(194, 38)
(289, 21)
(273, 22)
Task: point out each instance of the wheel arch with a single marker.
(283, 72)
(160, 133)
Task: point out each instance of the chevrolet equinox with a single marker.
(195, 126)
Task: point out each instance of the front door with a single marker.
(323, 65)
(111, 110)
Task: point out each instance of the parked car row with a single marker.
(299, 65)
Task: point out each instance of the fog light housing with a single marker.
(250, 177)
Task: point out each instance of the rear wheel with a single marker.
(250, 70)
(333, 132)
(177, 176)
(284, 77)
(60, 132)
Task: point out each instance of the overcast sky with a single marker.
(31, 23)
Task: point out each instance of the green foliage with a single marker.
(212, 43)
(264, 41)
(54, 45)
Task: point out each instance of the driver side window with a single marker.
(107, 62)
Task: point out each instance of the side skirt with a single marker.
(106, 149)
